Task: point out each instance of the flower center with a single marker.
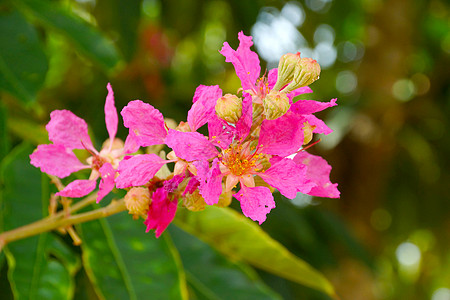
(241, 159)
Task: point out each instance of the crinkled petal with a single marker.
(172, 184)
(220, 132)
(282, 136)
(256, 202)
(192, 186)
(321, 127)
(78, 188)
(111, 117)
(299, 91)
(318, 171)
(190, 145)
(210, 181)
(288, 177)
(146, 122)
(244, 60)
(138, 170)
(306, 107)
(203, 108)
(65, 128)
(108, 174)
(161, 212)
(244, 124)
(56, 160)
(131, 143)
(272, 78)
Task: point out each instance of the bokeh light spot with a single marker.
(408, 254)
(403, 89)
(346, 82)
(441, 294)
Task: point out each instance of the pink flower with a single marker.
(147, 126)
(161, 212)
(247, 66)
(69, 132)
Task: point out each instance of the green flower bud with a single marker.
(307, 71)
(275, 104)
(137, 201)
(229, 108)
(286, 69)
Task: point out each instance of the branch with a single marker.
(60, 220)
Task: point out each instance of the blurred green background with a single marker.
(387, 62)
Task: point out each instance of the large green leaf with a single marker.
(23, 64)
(84, 36)
(124, 262)
(239, 238)
(24, 196)
(212, 276)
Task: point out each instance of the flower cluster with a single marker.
(255, 144)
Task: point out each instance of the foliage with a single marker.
(389, 148)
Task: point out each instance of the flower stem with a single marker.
(62, 220)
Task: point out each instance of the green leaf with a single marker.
(24, 197)
(23, 64)
(84, 36)
(214, 277)
(138, 264)
(28, 130)
(243, 240)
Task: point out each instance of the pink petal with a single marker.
(210, 181)
(299, 91)
(288, 177)
(321, 127)
(190, 146)
(108, 174)
(146, 122)
(131, 144)
(192, 186)
(220, 133)
(306, 107)
(318, 171)
(78, 188)
(161, 212)
(282, 136)
(244, 60)
(172, 184)
(203, 108)
(111, 117)
(56, 160)
(256, 202)
(67, 129)
(138, 170)
(272, 77)
(244, 124)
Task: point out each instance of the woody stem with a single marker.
(60, 220)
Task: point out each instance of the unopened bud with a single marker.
(194, 201)
(137, 201)
(307, 132)
(229, 108)
(275, 104)
(306, 72)
(286, 69)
